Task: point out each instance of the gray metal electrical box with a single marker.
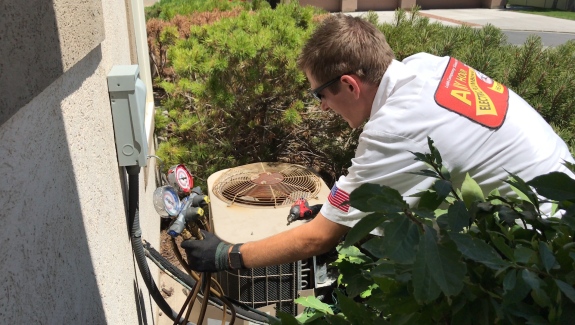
(128, 101)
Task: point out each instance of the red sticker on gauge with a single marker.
(472, 94)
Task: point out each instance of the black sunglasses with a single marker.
(315, 92)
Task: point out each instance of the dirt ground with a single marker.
(166, 245)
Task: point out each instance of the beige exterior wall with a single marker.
(65, 249)
(329, 5)
(561, 4)
(377, 5)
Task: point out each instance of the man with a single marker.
(479, 126)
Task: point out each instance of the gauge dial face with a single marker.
(181, 179)
(171, 202)
(166, 201)
(184, 178)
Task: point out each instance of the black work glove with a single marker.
(207, 255)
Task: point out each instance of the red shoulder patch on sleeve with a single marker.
(472, 94)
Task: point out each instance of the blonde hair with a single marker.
(343, 44)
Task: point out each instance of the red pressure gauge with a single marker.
(181, 179)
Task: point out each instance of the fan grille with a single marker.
(266, 185)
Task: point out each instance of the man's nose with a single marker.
(324, 106)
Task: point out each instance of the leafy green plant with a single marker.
(458, 257)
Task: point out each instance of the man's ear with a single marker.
(351, 85)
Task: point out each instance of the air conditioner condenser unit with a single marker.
(252, 202)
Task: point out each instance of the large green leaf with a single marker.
(373, 197)
(442, 187)
(555, 186)
(350, 251)
(569, 217)
(478, 250)
(499, 243)
(432, 199)
(356, 282)
(523, 254)
(547, 256)
(399, 240)
(429, 200)
(386, 204)
(356, 313)
(338, 319)
(385, 268)
(531, 279)
(507, 214)
(510, 280)
(363, 228)
(567, 289)
(522, 189)
(539, 296)
(444, 263)
(375, 247)
(457, 217)
(353, 255)
(286, 319)
(412, 318)
(516, 289)
(311, 316)
(313, 302)
(425, 289)
(471, 191)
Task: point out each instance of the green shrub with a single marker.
(237, 95)
(475, 260)
(168, 9)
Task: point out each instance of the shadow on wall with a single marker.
(46, 273)
(30, 57)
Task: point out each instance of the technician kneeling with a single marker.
(480, 127)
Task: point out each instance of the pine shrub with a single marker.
(168, 9)
(236, 95)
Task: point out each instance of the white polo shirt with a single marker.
(479, 126)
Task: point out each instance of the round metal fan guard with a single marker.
(266, 185)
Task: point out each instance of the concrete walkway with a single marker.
(516, 25)
(504, 19)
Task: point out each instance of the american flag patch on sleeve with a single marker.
(337, 197)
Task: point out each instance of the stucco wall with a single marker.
(41, 41)
(366, 5)
(329, 5)
(65, 249)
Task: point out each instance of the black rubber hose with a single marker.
(253, 316)
(137, 246)
(139, 253)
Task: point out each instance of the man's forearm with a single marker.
(310, 239)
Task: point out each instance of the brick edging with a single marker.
(449, 20)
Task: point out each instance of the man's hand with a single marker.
(208, 255)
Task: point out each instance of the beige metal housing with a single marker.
(237, 223)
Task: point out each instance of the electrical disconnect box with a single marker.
(128, 102)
